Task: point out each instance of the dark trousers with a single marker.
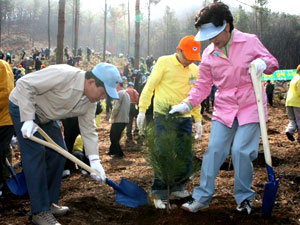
(270, 99)
(182, 126)
(108, 102)
(42, 166)
(71, 131)
(132, 114)
(115, 137)
(205, 105)
(6, 133)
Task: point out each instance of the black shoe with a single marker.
(290, 136)
(116, 155)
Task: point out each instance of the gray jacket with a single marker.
(121, 107)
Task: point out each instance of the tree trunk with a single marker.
(137, 35)
(148, 39)
(33, 24)
(60, 32)
(1, 22)
(73, 25)
(77, 11)
(8, 24)
(104, 38)
(128, 44)
(49, 11)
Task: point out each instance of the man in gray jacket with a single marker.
(119, 119)
(44, 97)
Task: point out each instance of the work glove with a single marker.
(182, 108)
(199, 130)
(96, 165)
(140, 120)
(28, 128)
(259, 66)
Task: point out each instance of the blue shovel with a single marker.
(127, 193)
(272, 185)
(17, 183)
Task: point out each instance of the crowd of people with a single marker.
(64, 96)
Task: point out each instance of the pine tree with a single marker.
(170, 158)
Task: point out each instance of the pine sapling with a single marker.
(171, 156)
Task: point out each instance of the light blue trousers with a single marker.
(244, 141)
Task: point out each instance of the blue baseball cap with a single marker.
(208, 31)
(110, 76)
(130, 83)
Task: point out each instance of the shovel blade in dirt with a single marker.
(129, 193)
(16, 184)
(270, 192)
(272, 185)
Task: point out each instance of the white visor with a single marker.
(208, 31)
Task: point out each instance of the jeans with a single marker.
(243, 142)
(42, 166)
(182, 125)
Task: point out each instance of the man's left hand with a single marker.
(96, 165)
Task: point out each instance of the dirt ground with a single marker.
(93, 203)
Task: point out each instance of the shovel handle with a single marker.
(262, 121)
(61, 151)
(46, 136)
(7, 162)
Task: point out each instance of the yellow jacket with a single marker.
(171, 82)
(293, 96)
(6, 86)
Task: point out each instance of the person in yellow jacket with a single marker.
(293, 107)
(172, 78)
(6, 124)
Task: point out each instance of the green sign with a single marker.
(138, 18)
(280, 75)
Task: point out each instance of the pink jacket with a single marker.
(235, 96)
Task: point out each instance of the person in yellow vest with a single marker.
(293, 107)
(6, 124)
(172, 78)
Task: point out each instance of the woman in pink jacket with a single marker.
(235, 122)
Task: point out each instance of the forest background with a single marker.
(114, 28)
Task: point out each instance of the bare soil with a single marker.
(93, 203)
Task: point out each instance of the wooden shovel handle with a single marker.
(263, 128)
(51, 144)
(7, 162)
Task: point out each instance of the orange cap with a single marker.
(298, 68)
(190, 48)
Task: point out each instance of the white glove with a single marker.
(96, 165)
(140, 120)
(181, 108)
(28, 128)
(259, 66)
(199, 130)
